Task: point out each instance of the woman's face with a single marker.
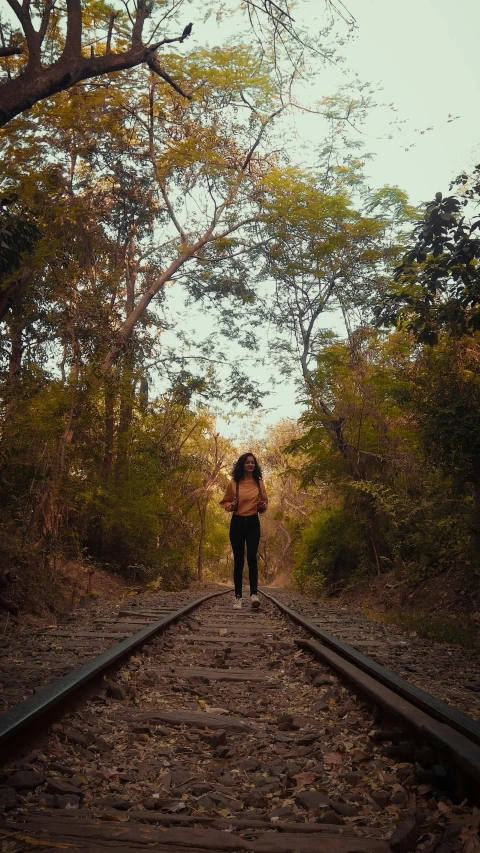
(249, 465)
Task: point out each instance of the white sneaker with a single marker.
(255, 602)
(237, 604)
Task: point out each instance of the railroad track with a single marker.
(221, 730)
(33, 656)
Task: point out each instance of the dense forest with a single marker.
(145, 178)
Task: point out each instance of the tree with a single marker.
(436, 296)
(152, 144)
(122, 169)
(437, 285)
(404, 414)
(222, 169)
(104, 231)
(87, 40)
(323, 255)
(446, 396)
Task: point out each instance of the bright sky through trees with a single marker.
(424, 56)
(420, 57)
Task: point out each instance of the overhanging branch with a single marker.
(14, 50)
(36, 82)
(155, 66)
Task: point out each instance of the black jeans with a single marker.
(245, 530)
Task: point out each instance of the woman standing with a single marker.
(245, 497)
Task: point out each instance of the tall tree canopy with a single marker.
(437, 285)
(48, 47)
(402, 492)
(135, 166)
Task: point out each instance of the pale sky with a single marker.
(425, 54)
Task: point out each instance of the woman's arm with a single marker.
(228, 501)
(263, 504)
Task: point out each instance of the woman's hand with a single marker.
(231, 507)
(262, 506)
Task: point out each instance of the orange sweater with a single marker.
(248, 496)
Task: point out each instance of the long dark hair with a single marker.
(238, 473)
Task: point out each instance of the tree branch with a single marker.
(155, 66)
(14, 50)
(171, 211)
(22, 13)
(187, 254)
(138, 25)
(153, 158)
(45, 21)
(73, 41)
(37, 83)
(263, 128)
(17, 9)
(110, 31)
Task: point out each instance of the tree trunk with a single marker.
(67, 435)
(109, 392)
(16, 348)
(127, 392)
(202, 512)
(13, 290)
(127, 386)
(476, 518)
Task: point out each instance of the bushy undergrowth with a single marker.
(431, 533)
(461, 631)
(422, 537)
(398, 470)
(135, 512)
(331, 551)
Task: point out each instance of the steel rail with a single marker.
(19, 717)
(432, 706)
(448, 742)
